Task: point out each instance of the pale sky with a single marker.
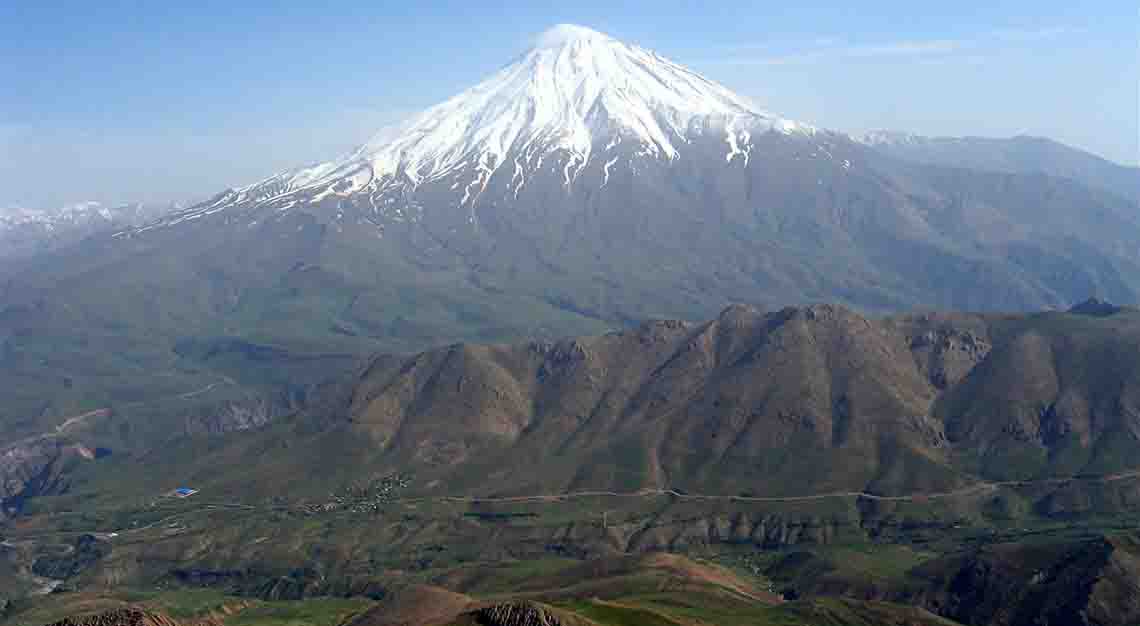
(177, 101)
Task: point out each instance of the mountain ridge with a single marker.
(912, 404)
(1021, 154)
(27, 232)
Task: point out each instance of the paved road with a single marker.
(980, 487)
(71, 421)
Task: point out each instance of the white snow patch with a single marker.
(739, 142)
(520, 176)
(606, 171)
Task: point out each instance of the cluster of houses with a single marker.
(367, 497)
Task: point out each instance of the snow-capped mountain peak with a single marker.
(572, 87)
(575, 97)
(561, 35)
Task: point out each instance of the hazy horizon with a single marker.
(208, 105)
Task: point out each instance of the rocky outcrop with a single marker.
(119, 617)
(946, 355)
(1096, 307)
(1063, 584)
(34, 467)
(232, 417)
(87, 551)
(1046, 583)
(521, 614)
(771, 531)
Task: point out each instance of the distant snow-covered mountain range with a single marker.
(27, 231)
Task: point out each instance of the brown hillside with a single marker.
(717, 406)
(766, 404)
(615, 577)
(418, 604)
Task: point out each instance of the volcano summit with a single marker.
(578, 102)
